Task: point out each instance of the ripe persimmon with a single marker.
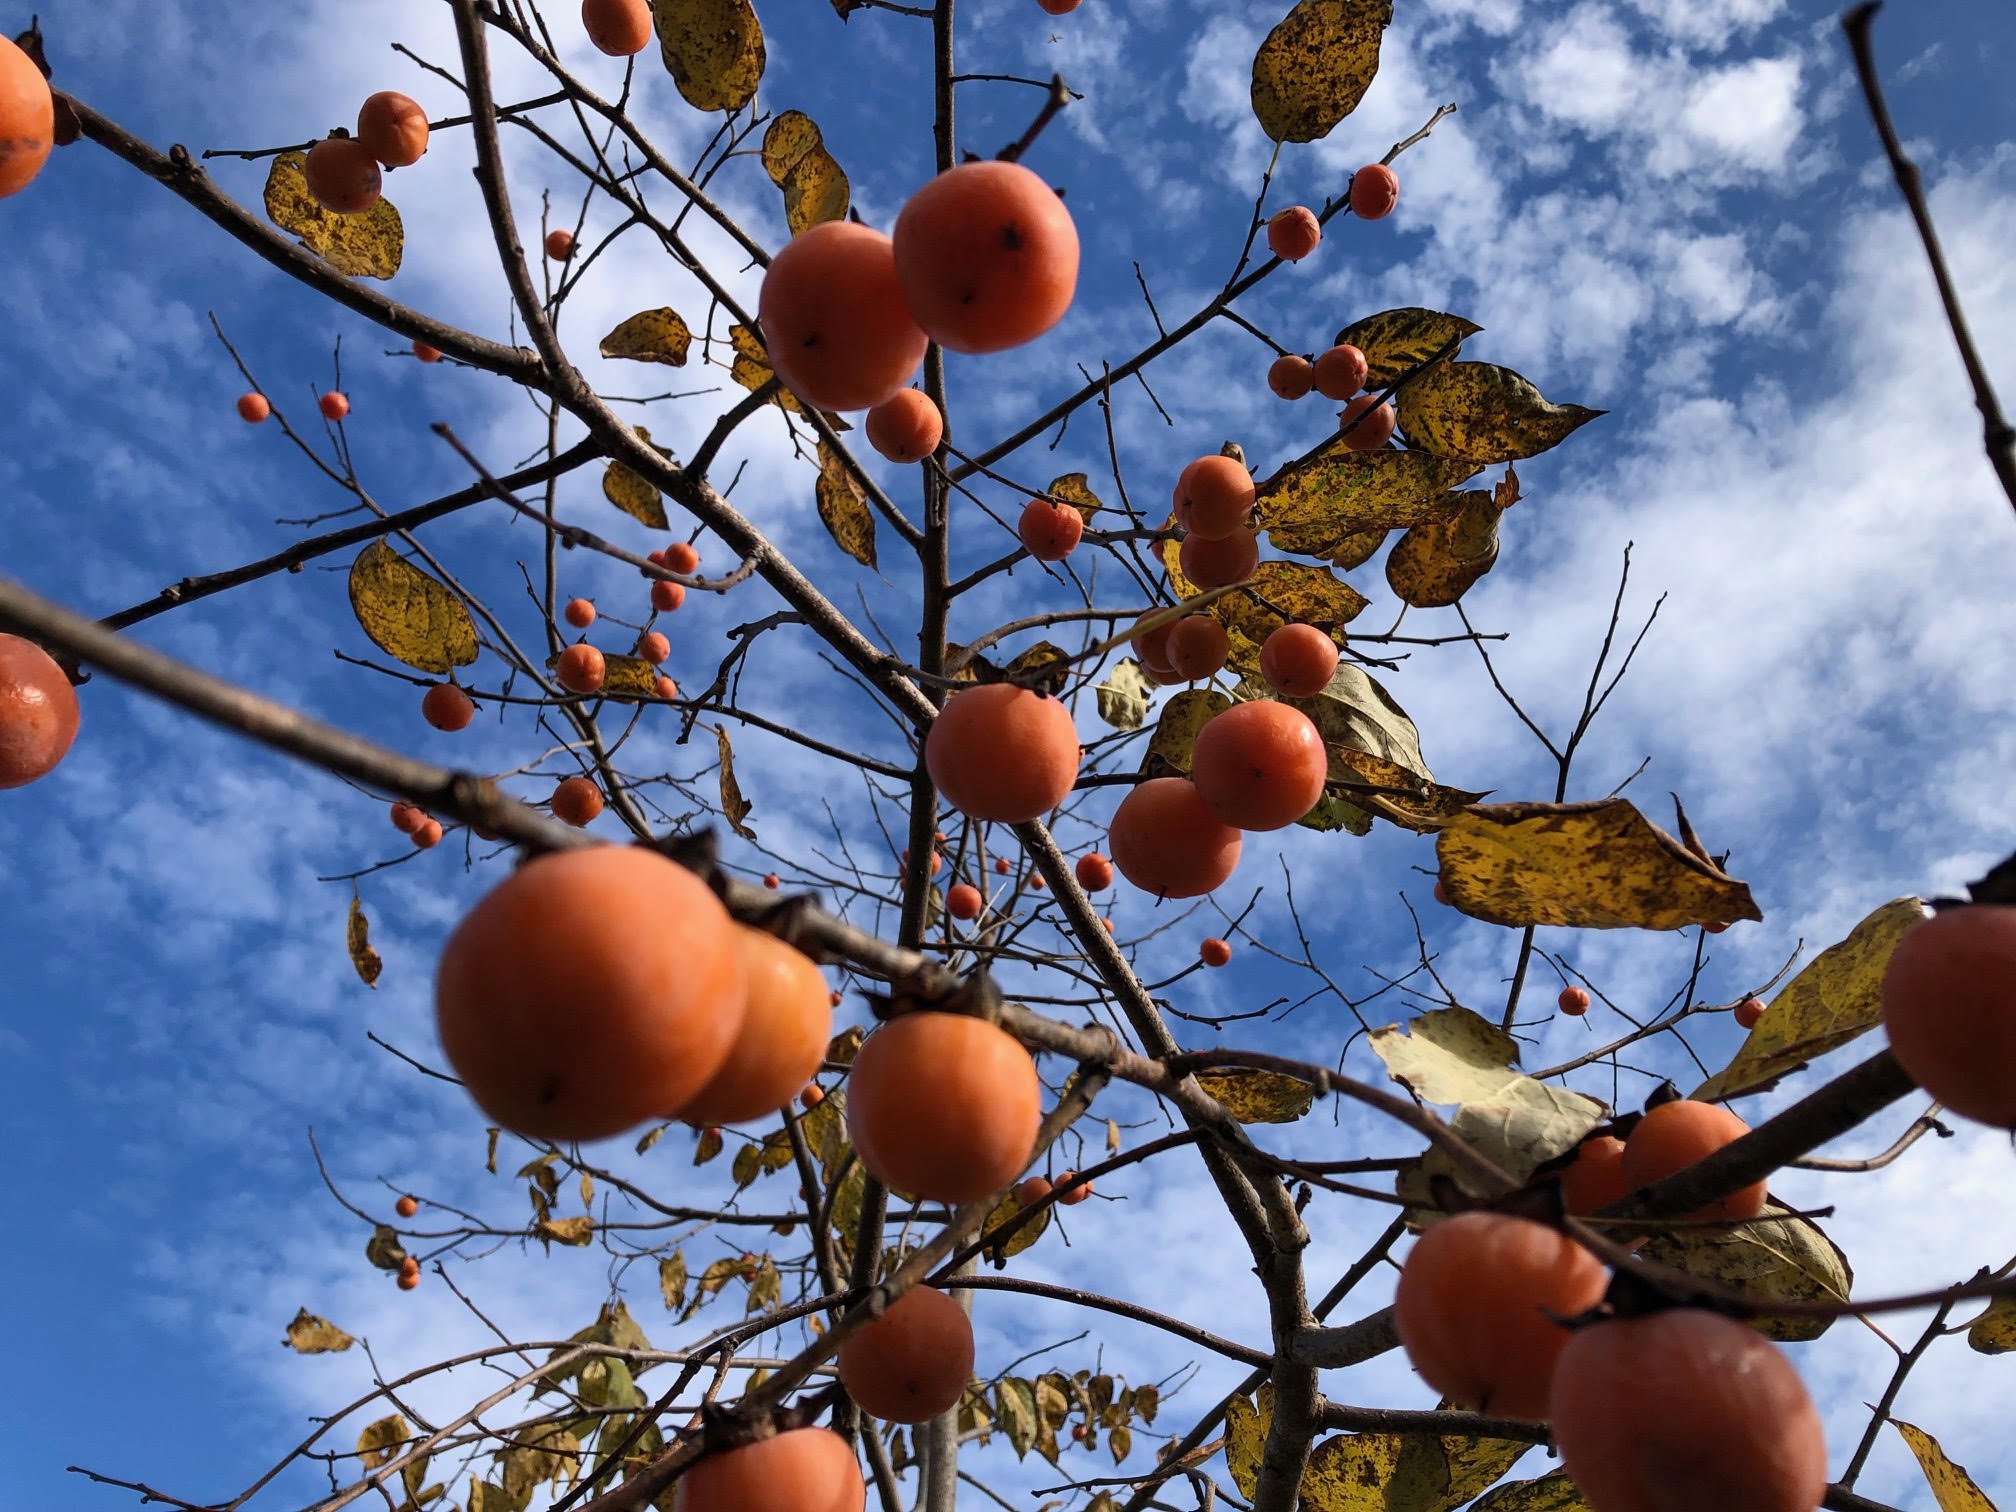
(559, 244)
(408, 1280)
(962, 901)
(987, 256)
(811, 1095)
(1152, 646)
(589, 991)
(1000, 752)
(1293, 233)
(834, 321)
(1298, 661)
(1058, 7)
(406, 818)
(406, 1207)
(943, 1106)
(577, 801)
(1214, 496)
(1002, 866)
(1291, 377)
(1050, 531)
(581, 668)
(1033, 1191)
(1340, 372)
(1366, 423)
(912, 1363)
(666, 596)
(1071, 1195)
(1094, 872)
(1375, 190)
(1686, 1408)
(334, 405)
(1198, 647)
(620, 28)
(393, 128)
(1472, 1303)
(1948, 1011)
(1259, 765)
(652, 647)
(1214, 564)
(1165, 841)
(253, 408)
(805, 1470)
(666, 689)
(424, 352)
(1574, 1001)
(1595, 1177)
(38, 712)
(1215, 952)
(770, 881)
(1748, 1012)
(906, 427)
(27, 119)
(937, 860)
(342, 176)
(1673, 1136)
(410, 1265)
(782, 1038)
(447, 707)
(579, 613)
(427, 834)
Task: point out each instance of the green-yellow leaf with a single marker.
(1835, 998)
(1076, 490)
(383, 1248)
(815, 190)
(1316, 65)
(672, 1280)
(1776, 1258)
(1440, 1473)
(1007, 1209)
(408, 614)
(1330, 502)
(1994, 1332)
(1435, 563)
(1123, 697)
(1448, 1055)
(1015, 1411)
(713, 49)
(734, 807)
(634, 495)
(377, 1441)
(1175, 737)
(790, 136)
(1259, 1096)
(367, 245)
(707, 1147)
(1397, 341)
(1041, 668)
(1279, 592)
(1553, 1492)
(1600, 865)
(1485, 413)
(629, 675)
(659, 335)
(843, 508)
(308, 1334)
(1952, 1487)
(357, 929)
(544, 1453)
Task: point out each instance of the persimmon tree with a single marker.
(923, 1040)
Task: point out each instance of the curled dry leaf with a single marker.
(367, 245)
(734, 807)
(1600, 865)
(308, 1334)
(357, 930)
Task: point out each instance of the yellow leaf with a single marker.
(707, 1146)
(672, 1280)
(629, 674)
(815, 190)
(1835, 998)
(375, 1444)
(367, 245)
(1001, 1251)
(659, 335)
(1397, 341)
(1994, 1332)
(1952, 1487)
(1259, 1096)
(1316, 65)
(1040, 668)
(1175, 736)
(843, 508)
(1438, 1473)
(734, 807)
(1435, 563)
(1554, 1492)
(408, 614)
(1015, 1411)
(712, 48)
(362, 956)
(630, 493)
(1599, 865)
(544, 1453)
(1076, 490)
(1410, 800)
(1323, 503)
(1279, 592)
(789, 137)
(308, 1334)
(1777, 1258)
(1358, 548)
(1484, 412)
(1370, 1472)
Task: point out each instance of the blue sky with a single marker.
(1668, 210)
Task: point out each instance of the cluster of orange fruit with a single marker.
(344, 173)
